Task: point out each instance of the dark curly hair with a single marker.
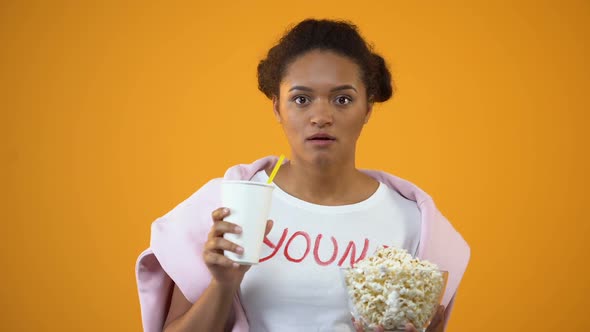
(340, 37)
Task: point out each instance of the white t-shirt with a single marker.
(297, 286)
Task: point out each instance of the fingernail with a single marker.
(225, 210)
(238, 229)
(235, 265)
(240, 250)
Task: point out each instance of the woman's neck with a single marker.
(325, 184)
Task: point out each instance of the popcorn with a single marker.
(391, 288)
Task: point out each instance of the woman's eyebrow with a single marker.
(344, 87)
(338, 88)
(300, 87)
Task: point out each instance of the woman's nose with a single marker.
(322, 115)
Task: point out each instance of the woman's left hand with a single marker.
(437, 324)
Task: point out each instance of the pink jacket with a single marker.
(177, 239)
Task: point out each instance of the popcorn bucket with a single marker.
(394, 297)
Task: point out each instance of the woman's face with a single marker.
(322, 107)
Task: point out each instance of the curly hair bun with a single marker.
(340, 37)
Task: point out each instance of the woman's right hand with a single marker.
(223, 270)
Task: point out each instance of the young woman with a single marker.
(323, 81)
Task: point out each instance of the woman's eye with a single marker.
(300, 100)
(343, 100)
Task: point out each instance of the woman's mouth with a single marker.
(321, 139)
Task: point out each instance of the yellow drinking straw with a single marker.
(276, 169)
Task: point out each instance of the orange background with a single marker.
(114, 113)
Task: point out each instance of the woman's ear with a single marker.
(275, 108)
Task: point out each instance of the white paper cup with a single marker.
(249, 204)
